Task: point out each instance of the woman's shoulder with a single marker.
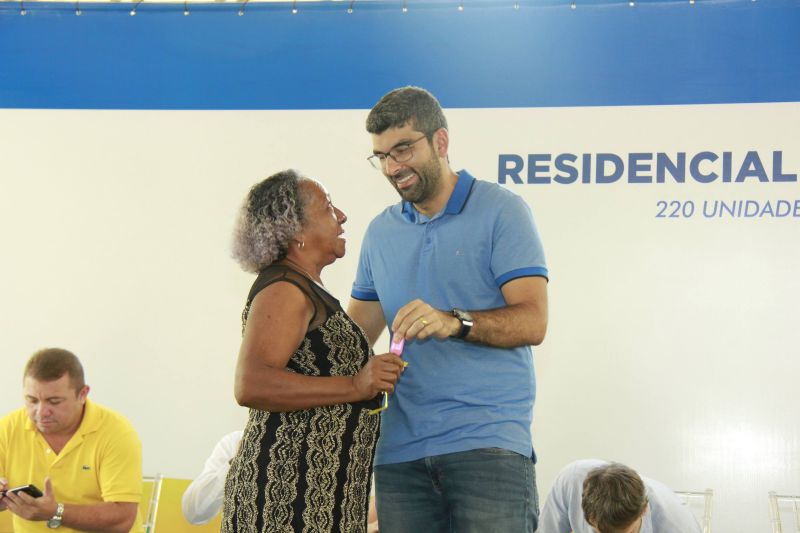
(276, 273)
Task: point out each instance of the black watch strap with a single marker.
(466, 322)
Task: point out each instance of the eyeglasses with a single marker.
(383, 407)
(400, 153)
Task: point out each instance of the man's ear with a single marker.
(83, 393)
(441, 142)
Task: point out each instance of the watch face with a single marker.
(466, 322)
(462, 315)
(55, 522)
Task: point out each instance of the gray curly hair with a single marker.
(271, 215)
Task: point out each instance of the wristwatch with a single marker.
(55, 522)
(466, 322)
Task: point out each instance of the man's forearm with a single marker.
(521, 324)
(111, 517)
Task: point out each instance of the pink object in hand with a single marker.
(397, 347)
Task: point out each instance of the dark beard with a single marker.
(427, 182)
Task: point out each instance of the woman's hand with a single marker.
(380, 374)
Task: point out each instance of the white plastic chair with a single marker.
(151, 493)
(701, 503)
(779, 503)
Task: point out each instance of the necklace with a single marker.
(304, 271)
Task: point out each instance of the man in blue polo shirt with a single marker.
(457, 269)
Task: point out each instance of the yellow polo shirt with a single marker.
(102, 462)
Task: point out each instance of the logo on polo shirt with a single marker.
(86, 467)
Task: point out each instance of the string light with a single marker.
(350, 9)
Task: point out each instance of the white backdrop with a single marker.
(672, 343)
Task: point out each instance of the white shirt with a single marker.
(203, 497)
(562, 511)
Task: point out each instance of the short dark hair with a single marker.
(407, 104)
(613, 497)
(50, 364)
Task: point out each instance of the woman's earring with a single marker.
(301, 245)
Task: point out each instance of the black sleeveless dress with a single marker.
(309, 470)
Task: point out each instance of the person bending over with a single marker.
(591, 496)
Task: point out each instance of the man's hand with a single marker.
(30, 508)
(417, 319)
(3, 486)
(522, 321)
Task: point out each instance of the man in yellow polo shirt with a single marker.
(85, 458)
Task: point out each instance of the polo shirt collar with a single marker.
(91, 419)
(456, 203)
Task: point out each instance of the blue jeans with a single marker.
(489, 490)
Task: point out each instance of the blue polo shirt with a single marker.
(455, 395)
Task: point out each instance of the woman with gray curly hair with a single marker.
(305, 370)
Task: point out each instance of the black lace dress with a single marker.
(309, 470)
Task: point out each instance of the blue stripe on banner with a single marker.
(490, 54)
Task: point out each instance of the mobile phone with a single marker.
(30, 490)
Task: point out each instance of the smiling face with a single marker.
(418, 179)
(322, 232)
(55, 407)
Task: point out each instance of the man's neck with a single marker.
(57, 442)
(438, 201)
